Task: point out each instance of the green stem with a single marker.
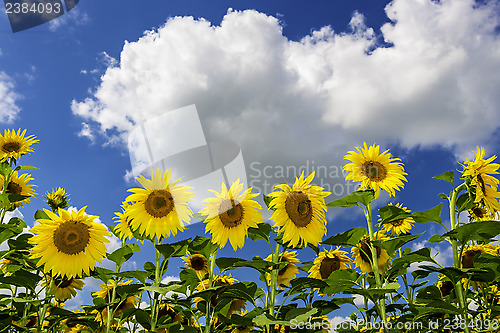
(48, 294)
(110, 309)
(456, 258)
(274, 281)
(375, 261)
(208, 318)
(405, 280)
(154, 309)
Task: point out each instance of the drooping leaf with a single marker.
(261, 232)
(177, 249)
(483, 231)
(347, 238)
(354, 199)
(392, 213)
(430, 215)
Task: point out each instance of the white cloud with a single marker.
(285, 102)
(8, 99)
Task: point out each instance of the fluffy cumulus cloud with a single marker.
(8, 98)
(432, 81)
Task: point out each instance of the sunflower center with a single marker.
(479, 212)
(10, 147)
(14, 188)
(283, 270)
(365, 252)
(231, 214)
(468, 258)
(299, 208)
(197, 263)
(445, 288)
(159, 203)
(374, 170)
(63, 283)
(328, 265)
(397, 223)
(72, 237)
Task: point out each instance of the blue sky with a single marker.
(289, 82)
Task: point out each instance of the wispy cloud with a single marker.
(9, 108)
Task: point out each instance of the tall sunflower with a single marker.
(375, 170)
(68, 244)
(479, 212)
(18, 184)
(300, 211)
(123, 220)
(445, 286)
(106, 290)
(363, 256)
(401, 226)
(221, 280)
(160, 208)
(478, 174)
(64, 288)
(196, 262)
(329, 261)
(467, 259)
(57, 199)
(288, 272)
(230, 213)
(14, 145)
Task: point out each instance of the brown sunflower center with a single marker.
(299, 208)
(159, 203)
(328, 265)
(14, 188)
(231, 213)
(283, 270)
(10, 147)
(198, 263)
(63, 283)
(374, 170)
(479, 212)
(397, 223)
(72, 237)
(468, 258)
(445, 288)
(365, 252)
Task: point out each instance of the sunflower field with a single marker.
(401, 290)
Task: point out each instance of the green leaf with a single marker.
(354, 199)
(340, 280)
(102, 274)
(22, 278)
(306, 282)
(25, 168)
(301, 315)
(348, 238)
(16, 197)
(162, 290)
(464, 202)
(483, 231)
(200, 217)
(394, 243)
(267, 201)
(177, 249)
(143, 318)
(443, 196)
(121, 255)
(20, 243)
(392, 213)
(261, 232)
(139, 275)
(41, 215)
(265, 319)
(225, 263)
(202, 245)
(325, 307)
(399, 265)
(436, 239)
(430, 215)
(447, 176)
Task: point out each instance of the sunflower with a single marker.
(467, 259)
(374, 170)
(327, 262)
(14, 145)
(401, 226)
(220, 280)
(445, 286)
(478, 174)
(363, 256)
(168, 310)
(64, 289)
(19, 185)
(68, 244)
(480, 212)
(300, 211)
(196, 262)
(242, 329)
(57, 199)
(282, 328)
(105, 293)
(230, 213)
(161, 207)
(288, 272)
(123, 220)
